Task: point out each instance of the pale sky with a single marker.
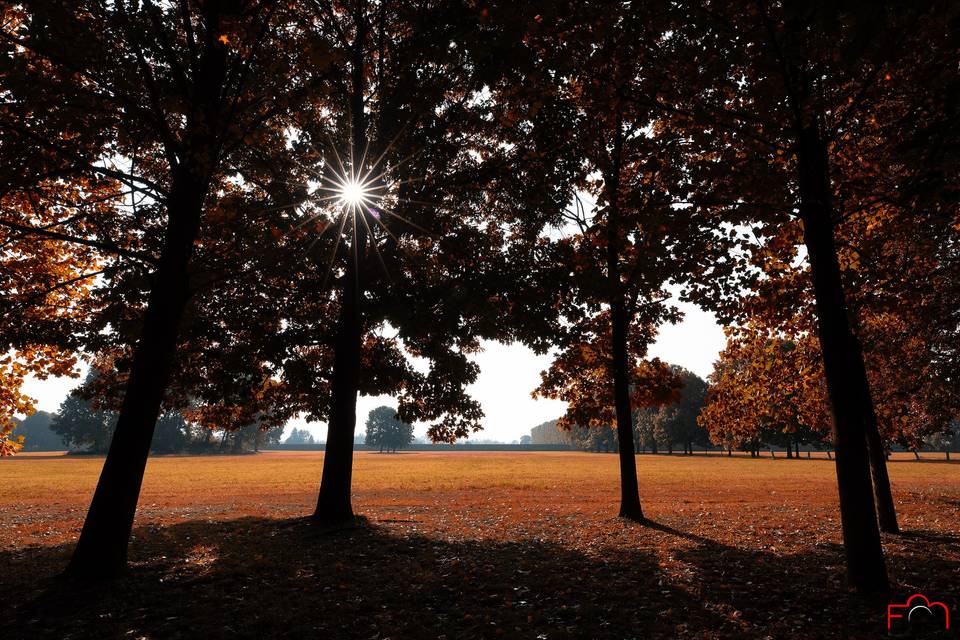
(508, 373)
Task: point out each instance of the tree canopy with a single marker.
(240, 212)
(386, 431)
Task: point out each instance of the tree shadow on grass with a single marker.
(801, 595)
(261, 578)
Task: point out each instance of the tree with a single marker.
(83, 427)
(766, 387)
(14, 368)
(644, 429)
(597, 439)
(675, 422)
(37, 434)
(267, 437)
(171, 96)
(548, 433)
(386, 431)
(170, 434)
(400, 143)
(299, 436)
(770, 384)
(781, 87)
(526, 440)
(628, 240)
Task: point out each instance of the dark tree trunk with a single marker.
(729, 452)
(101, 551)
(619, 321)
(334, 502)
(843, 367)
(886, 511)
(653, 447)
(629, 490)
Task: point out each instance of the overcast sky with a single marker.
(508, 373)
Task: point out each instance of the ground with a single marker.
(469, 545)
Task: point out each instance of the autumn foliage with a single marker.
(174, 210)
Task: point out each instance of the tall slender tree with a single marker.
(622, 239)
(410, 260)
(162, 99)
(780, 86)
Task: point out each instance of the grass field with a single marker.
(464, 544)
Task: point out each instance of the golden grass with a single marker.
(57, 488)
(527, 541)
(42, 478)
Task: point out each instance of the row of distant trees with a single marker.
(384, 430)
(81, 426)
(665, 427)
(703, 417)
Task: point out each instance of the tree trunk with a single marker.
(101, 551)
(916, 454)
(844, 369)
(729, 452)
(629, 490)
(334, 503)
(886, 511)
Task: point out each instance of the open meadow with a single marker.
(463, 544)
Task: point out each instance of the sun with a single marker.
(353, 193)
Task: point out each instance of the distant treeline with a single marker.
(81, 428)
(681, 426)
(320, 446)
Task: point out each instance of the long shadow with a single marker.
(261, 578)
(256, 578)
(804, 595)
